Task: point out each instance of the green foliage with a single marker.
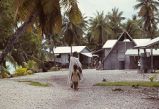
(133, 27)
(115, 19)
(4, 73)
(148, 10)
(129, 83)
(39, 84)
(98, 28)
(29, 72)
(153, 78)
(5, 70)
(73, 32)
(55, 69)
(34, 83)
(6, 21)
(28, 46)
(32, 65)
(21, 72)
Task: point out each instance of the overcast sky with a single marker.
(89, 7)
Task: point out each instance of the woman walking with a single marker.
(74, 61)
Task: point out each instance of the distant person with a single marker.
(74, 60)
(99, 65)
(139, 64)
(75, 77)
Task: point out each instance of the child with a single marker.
(75, 77)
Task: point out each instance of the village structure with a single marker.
(63, 54)
(116, 54)
(128, 53)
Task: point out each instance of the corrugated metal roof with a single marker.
(88, 54)
(134, 52)
(109, 43)
(153, 42)
(139, 42)
(67, 49)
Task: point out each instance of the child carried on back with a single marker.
(75, 77)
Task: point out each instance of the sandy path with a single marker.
(17, 95)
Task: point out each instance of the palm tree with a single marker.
(73, 33)
(46, 12)
(133, 27)
(147, 11)
(98, 29)
(89, 41)
(115, 18)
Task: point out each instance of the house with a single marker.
(114, 52)
(145, 61)
(150, 55)
(63, 53)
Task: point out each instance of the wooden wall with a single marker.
(116, 59)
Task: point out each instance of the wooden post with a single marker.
(152, 60)
(145, 62)
(138, 59)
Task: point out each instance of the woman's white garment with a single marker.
(73, 61)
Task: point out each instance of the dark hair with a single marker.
(75, 54)
(75, 67)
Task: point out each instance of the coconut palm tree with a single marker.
(133, 27)
(73, 33)
(98, 29)
(147, 12)
(46, 12)
(77, 31)
(89, 41)
(115, 18)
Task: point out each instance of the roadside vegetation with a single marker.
(35, 83)
(130, 83)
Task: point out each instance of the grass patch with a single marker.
(129, 83)
(34, 83)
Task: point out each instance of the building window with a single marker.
(59, 56)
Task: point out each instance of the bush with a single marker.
(54, 69)
(32, 65)
(152, 78)
(21, 72)
(29, 72)
(5, 73)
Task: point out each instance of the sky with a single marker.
(90, 7)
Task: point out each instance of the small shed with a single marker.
(63, 53)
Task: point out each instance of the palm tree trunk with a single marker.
(100, 38)
(14, 38)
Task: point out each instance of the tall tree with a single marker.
(98, 29)
(134, 27)
(6, 21)
(46, 12)
(147, 11)
(73, 33)
(115, 21)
